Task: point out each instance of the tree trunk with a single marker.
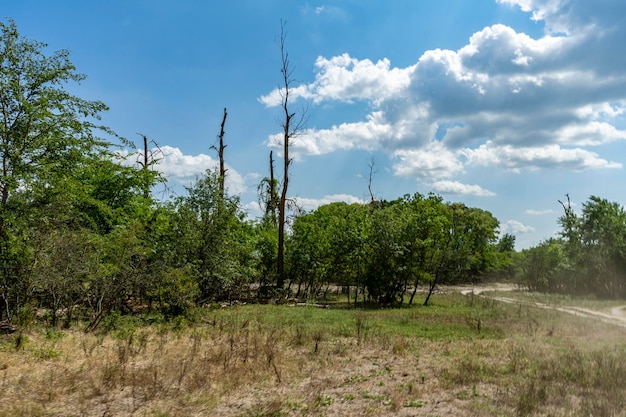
(285, 71)
(220, 153)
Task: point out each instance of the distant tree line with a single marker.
(589, 257)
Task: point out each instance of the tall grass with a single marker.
(463, 355)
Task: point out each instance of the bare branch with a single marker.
(370, 178)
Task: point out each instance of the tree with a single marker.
(545, 267)
(268, 195)
(290, 128)
(220, 153)
(43, 128)
(603, 233)
(46, 134)
(214, 240)
(327, 246)
(463, 252)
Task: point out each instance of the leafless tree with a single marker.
(370, 179)
(147, 159)
(291, 127)
(220, 154)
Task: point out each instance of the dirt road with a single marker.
(616, 315)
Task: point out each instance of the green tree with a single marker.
(465, 246)
(545, 267)
(214, 239)
(603, 233)
(46, 135)
(328, 246)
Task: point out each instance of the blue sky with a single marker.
(505, 105)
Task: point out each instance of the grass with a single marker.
(464, 355)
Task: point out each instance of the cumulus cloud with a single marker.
(549, 156)
(505, 99)
(455, 187)
(515, 227)
(346, 136)
(532, 212)
(184, 169)
(434, 161)
(308, 204)
(346, 79)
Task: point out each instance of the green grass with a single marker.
(482, 357)
(447, 318)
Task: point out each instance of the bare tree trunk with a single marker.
(369, 181)
(146, 187)
(220, 153)
(287, 133)
(271, 207)
(149, 158)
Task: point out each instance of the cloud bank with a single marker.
(505, 100)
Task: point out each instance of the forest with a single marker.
(82, 236)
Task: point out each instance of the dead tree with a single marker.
(220, 153)
(146, 160)
(290, 128)
(369, 180)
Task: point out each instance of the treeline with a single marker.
(589, 257)
(81, 235)
(385, 250)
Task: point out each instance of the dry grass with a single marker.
(462, 356)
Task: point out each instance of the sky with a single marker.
(504, 105)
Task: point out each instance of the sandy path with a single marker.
(616, 315)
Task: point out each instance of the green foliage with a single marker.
(590, 258)
(46, 138)
(386, 249)
(214, 240)
(328, 245)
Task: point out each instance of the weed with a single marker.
(54, 335)
(324, 400)
(318, 337)
(362, 328)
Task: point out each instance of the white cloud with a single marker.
(515, 227)
(184, 169)
(344, 78)
(308, 204)
(532, 212)
(180, 167)
(505, 99)
(435, 161)
(360, 135)
(455, 187)
(549, 156)
(333, 12)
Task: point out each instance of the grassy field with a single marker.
(461, 356)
